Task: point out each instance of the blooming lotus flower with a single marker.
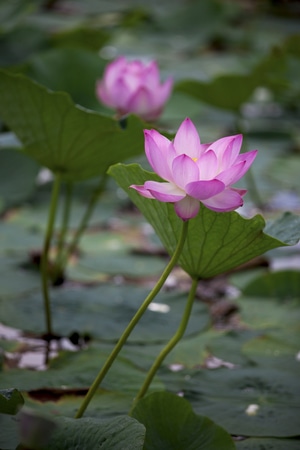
(195, 173)
(134, 87)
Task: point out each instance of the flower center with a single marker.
(195, 159)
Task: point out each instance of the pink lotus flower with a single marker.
(134, 87)
(195, 172)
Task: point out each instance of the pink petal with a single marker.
(228, 200)
(232, 151)
(241, 192)
(187, 208)
(161, 141)
(140, 102)
(113, 71)
(220, 146)
(160, 159)
(164, 92)
(120, 96)
(132, 82)
(164, 192)
(232, 174)
(248, 157)
(185, 170)
(141, 190)
(202, 190)
(208, 165)
(238, 170)
(151, 75)
(187, 140)
(135, 67)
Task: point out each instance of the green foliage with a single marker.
(226, 91)
(276, 71)
(171, 423)
(115, 434)
(17, 166)
(284, 285)
(67, 139)
(58, 70)
(229, 60)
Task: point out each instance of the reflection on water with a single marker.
(31, 352)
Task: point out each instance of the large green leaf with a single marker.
(68, 139)
(171, 424)
(216, 242)
(89, 434)
(17, 176)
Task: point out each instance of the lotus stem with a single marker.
(170, 345)
(44, 259)
(134, 321)
(64, 228)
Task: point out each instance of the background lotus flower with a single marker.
(134, 87)
(195, 172)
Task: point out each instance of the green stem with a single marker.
(134, 321)
(82, 226)
(170, 345)
(64, 226)
(47, 241)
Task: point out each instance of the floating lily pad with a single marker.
(9, 436)
(66, 402)
(274, 345)
(225, 395)
(77, 370)
(34, 215)
(15, 280)
(228, 346)
(126, 264)
(264, 313)
(15, 239)
(103, 312)
(268, 444)
(283, 285)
